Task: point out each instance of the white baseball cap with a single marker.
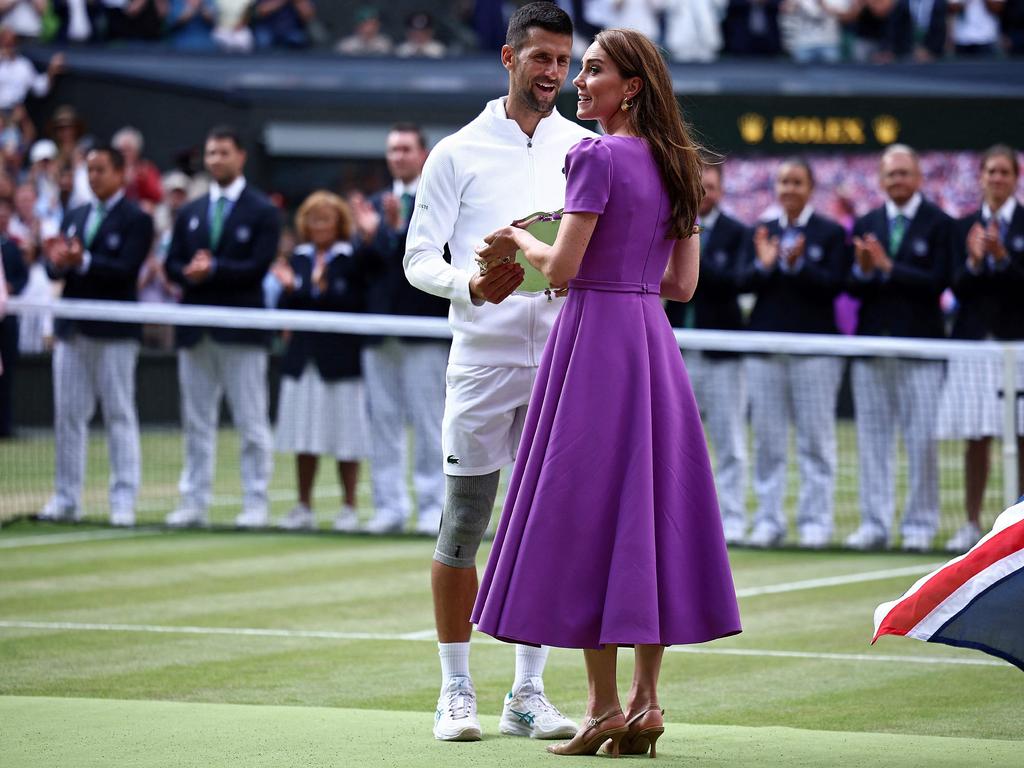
(44, 149)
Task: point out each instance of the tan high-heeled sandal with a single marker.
(641, 733)
(589, 738)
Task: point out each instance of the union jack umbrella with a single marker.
(973, 601)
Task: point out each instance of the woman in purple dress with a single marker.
(611, 533)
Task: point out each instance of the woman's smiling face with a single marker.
(600, 86)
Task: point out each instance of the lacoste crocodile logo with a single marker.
(452, 459)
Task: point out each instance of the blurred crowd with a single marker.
(807, 31)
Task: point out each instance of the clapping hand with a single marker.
(392, 211)
(284, 274)
(766, 248)
(200, 267)
(993, 244)
(366, 217)
(871, 255)
(796, 251)
(976, 246)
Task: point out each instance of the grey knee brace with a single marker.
(468, 503)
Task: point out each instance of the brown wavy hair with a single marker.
(657, 118)
(321, 197)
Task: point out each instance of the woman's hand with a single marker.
(766, 248)
(500, 248)
(285, 275)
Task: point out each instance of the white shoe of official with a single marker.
(916, 542)
(299, 518)
(528, 712)
(765, 537)
(866, 538)
(56, 512)
(251, 518)
(184, 517)
(428, 525)
(965, 538)
(122, 518)
(384, 525)
(347, 520)
(455, 718)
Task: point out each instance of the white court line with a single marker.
(44, 539)
(428, 635)
(835, 581)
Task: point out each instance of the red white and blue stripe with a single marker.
(973, 601)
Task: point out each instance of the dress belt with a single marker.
(582, 284)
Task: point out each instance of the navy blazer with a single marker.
(990, 302)
(801, 301)
(247, 247)
(118, 249)
(336, 355)
(390, 292)
(16, 275)
(906, 302)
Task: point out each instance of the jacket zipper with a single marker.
(532, 311)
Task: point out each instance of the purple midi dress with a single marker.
(611, 531)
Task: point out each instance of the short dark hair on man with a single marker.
(116, 158)
(545, 15)
(222, 132)
(413, 128)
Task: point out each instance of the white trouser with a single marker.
(85, 371)
(405, 385)
(721, 390)
(887, 392)
(205, 373)
(802, 390)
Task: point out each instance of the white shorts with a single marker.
(484, 414)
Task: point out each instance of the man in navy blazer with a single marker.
(16, 277)
(718, 379)
(901, 266)
(405, 377)
(222, 245)
(102, 247)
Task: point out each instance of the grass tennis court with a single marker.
(149, 648)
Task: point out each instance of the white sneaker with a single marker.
(965, 538)
(251, 518)
(429, 524)
(916, 542)
(814, 538)
(455, 718)
(299, 518)
(122, 518)
(528, 712)
(383, 525)
(55, 512)
(347, 520)
(765, 537)
(734, 533)
(866, 538)
(185, 517)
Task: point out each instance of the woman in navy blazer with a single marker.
(795, 266)
(322, 405)
(988, 280)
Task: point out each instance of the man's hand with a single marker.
(879, 258)
(284, 274)
(976, 245)
(392, 211)
(200, 267)
(496, 283)
(366, 217)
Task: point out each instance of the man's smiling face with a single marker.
(538, 68)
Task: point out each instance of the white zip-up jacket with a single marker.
(481, 178)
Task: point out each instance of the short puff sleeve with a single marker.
(588, 172)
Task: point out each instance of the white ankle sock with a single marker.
(454, 661)
(530, 662)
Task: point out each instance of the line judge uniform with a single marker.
(94, 361)
(240, 228)
(890, 391)
(15, 275)
(718, 377)
(798, 388)
(405, 385)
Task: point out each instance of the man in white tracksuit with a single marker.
(504, 165)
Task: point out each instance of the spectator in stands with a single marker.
(900, 268)
(67, 129)
(17, 133)
(873, 25)
(42, 174)
(405, 377)
(13, 278)
(367, 39)
(282, 23)
(751, 28)
(718, 380)
(222, 246)
(36, 331)
(641, 15)
(135, 19)
(154, 285)
(23, 17)
(79, 21)
(810, 29)
(927, 29)
(17, 74)
(27, 227)
(419, 38)
(142, 178)
(693, 30)
(232, 31)
(190, 24)
(988, 278)
(795, 265)
(976, 26)
(98, 256)
(322, 407)
(1012, 26)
